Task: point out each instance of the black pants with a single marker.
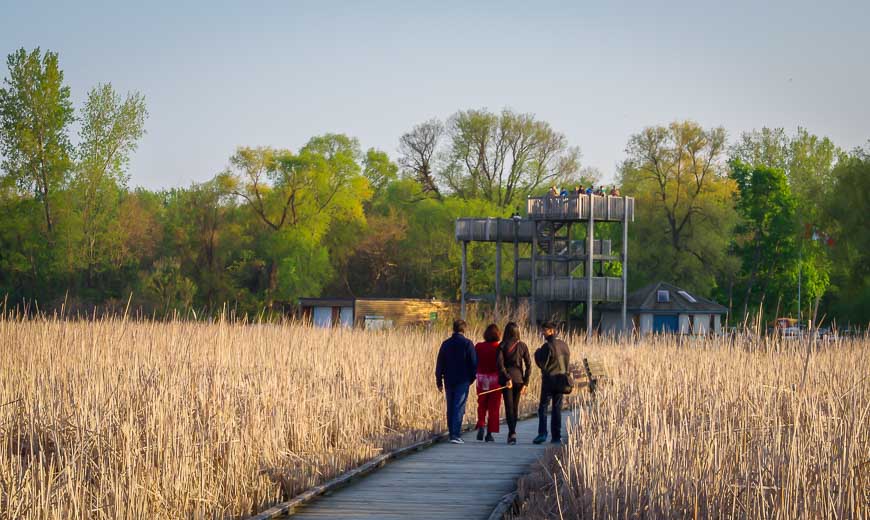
(512, 406)
(555, 419)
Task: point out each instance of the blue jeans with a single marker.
(456, 396)
(555, 419)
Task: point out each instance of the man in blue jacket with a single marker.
(454, 372)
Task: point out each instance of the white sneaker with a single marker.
(457, 441)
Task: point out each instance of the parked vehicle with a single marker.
(791, 333)
(827, 334)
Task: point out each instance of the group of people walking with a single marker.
(501, 367)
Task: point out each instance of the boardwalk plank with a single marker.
(444, 481)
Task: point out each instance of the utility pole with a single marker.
(800, 275)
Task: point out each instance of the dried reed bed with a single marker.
(716, 429)
(125, 419)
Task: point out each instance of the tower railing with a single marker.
(576, 207)
(494, 229)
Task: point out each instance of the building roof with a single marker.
(678, 300)
(349, 301)
(326, 302)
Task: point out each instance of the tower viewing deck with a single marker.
(577, 207)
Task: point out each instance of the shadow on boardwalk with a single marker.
(445, 481)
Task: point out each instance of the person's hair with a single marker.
(492, 333)
(548, 325)
(459, 325)
(511, 333)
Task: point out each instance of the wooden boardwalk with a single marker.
(447, 481)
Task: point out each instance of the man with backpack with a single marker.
(455, 370)
(553, 358)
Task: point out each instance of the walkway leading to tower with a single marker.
(446, 481)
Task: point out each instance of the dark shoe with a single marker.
(540, 439)
(489, 437)
(512, 438)
(556, 441)
(480, 434)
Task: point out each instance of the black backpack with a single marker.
(562, 383)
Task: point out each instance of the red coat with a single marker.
(486, 357)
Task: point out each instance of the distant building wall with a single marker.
(373, 313)
(387, 313)
(685, 327)
(700, 324)
(646, 322)
(611, 322)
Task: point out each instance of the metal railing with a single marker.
(576, 207)
(563, 288)
(494, 229)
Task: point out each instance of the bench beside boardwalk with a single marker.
(445, 481)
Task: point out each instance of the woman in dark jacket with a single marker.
(515, 368)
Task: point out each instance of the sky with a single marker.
(219, 75)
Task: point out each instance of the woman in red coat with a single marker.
(487, 379)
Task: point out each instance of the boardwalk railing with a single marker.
(563, 288)
(576, 207)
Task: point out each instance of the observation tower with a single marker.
(564, 269)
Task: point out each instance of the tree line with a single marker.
(745, 220)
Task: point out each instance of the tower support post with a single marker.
(533, 260)
(464, 278)
(624, 264)
(590, 251)
(516, 264)
(497, 274)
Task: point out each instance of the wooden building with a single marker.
(665, 308)
(373, 313)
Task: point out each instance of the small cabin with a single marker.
(665, 308)
(372, 313)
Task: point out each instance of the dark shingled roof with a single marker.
(645, 300)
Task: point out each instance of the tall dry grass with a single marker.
(714, 429)
(126, 419)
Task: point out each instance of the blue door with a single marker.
(665, 324)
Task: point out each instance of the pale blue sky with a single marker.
(218, 75)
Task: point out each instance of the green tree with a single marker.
(684, 206)
(110, 130)
(765, 239)
(139, 225)
(808, 162)
(379, 170)
(297, 198)
(35, 113)
(502, 157)
(204, 231)
(373, 265)
(22, 246)
(168, 287)
(850, 298)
